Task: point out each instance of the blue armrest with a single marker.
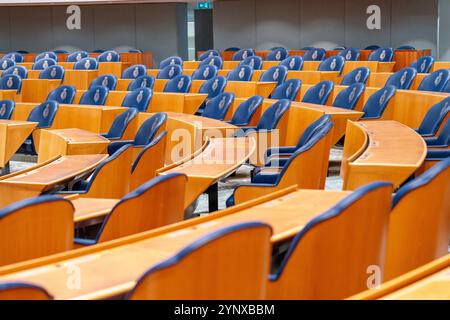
(116, 145)
(230, 201)
(280, 150)
(369, 118)
(85, 242)
(438, 154)
(276, 162)
(242, 131)
(431, 141)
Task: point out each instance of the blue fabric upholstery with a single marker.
(277, 54)
(86, 64)
(316, 54)
(205, 73)
(288, 90)
(109, 56)
(139, 99)
(46, 55)
(6, 109)
(240, 73)
(6, 63)
(120, 124)
(134, 71)
(377, 102)
(10, 82)
(169, 72)
(402, 79)
(319, 93)
(106, 80)
(232, 49)
(77, 56)
(435, 81)
(382, 55)
(243, 54)
(446, 88)
(349, 97)
(98, 50)
(307, 48)
(44, 114)
(144, 81)
(212, 61)
(437, 154)
(372, 47)
(434, 117)
(294, 63)
(217, 107)
(255, 62)
(17, 57)
(209, 53)
(95, 96)
(20, 71)
(335, 63)
(170, 61)
(406, 47)
(358, 75)
(245, 111)
(350, 54)
(423, 64)
(7, 286)
(63, 94)
(213, 87)
(275, 74)
(443, 139)
(52, 73)
(179, 84)
(60, 51)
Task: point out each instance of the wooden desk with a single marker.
(64, 142)
(115, 68)
(380, 150)
(440, 65)
(138, 253)
(37, 90)
(246, 89)
(92, 209)
(33, 181)
(176, 102)
(80, 79)
(9, 95)
(12, 135)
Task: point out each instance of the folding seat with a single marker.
(245, 111)
(178, 84)
(238, 263)
(372, 47)
(46, 55)
(419, 223)
(213, 86)
(77, 56)
(358, 75)
(243, 54)
(43, 64)
(138, 99)
(382, 55)
(316, 54)
(6, 63)
(204, 73)
(6, 109)
(170, 61)
(86, 64)
(20, 71)
(134, 213)
(319, 93)
(95, 96)
(446, 88)
(144, 81)
(433, 118)
(349, 97)
(377, 103)
(309, 270)
(402, 79)
(120, 124)
(217, 107)
(63, 94)
(11, 82)
(350, 54)
(435, 81)
(276, 74)
(423, 64)
(169, 72)
(145, 134)
(134, 71)
(335, 63)
(255, 62)
(208, 54)
(34, 228)
(22, 291)
(240, 73)
(442, 140)
(109, 56)
(106, 80)
(277, 54)
(52, 73)
(17, 57)
(294, 63)
(287, 90)
(212, 61)
(406, 47)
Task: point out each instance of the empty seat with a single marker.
(86, 64)
(6, 109)
(22, 291)
(406, 47)
(287, 90)
(134, 71)
(178, 84)
(423, 64)
(212, 61)
(120, 124)
(144, 81)
(232, 49)
(442, 140)
(52, 73)
(108, 81)
(335, 63)
(382, 55)
(217, 107)
(294, 63)
(209, 53)
(109, 56)
(204, 73)
(77, 56)
(174, 60)
(350, 54)
(435, 81)
(372, 47)
(95, 96)
(6, 63)
(245, 111)
(213, 86)
(377, 103)
(46, 55)
(446, 88)
(240, 73)
(349, 97)
(169, 72)
(276, 74)
(434, 117)
(402, 79)
(63, 94)
(11, 82)
(316, 54)
(139, 99)
(60, 51)
(358, 75)
(319, 93)
(17, 57)
(20, 71)
(243, 54)
(277, 54)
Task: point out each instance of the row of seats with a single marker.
(105, 56)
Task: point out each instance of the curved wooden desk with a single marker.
(380, 150)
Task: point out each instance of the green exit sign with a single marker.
(204, 5)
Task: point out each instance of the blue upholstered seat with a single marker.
(212, 61)
(144, 81)
(442, 140)
(95, 96)
(139, 99)
(435, 81)
(10, 82)
(217, 107)
(434, 118)
(319, 93)
(382, 55)
(77, 56)
(46, 55)
(205, 73)
(243, 54)
(423, 64)
(402, 79)
(245, 111)
(406, 47)
(350, 54)
(170, 61)
(169, 72)
(17, 57)
(335, 63)
(6, 63)
(209, 53)
(349, 97)
(213, 86)
(6, 109)
(240, 73)
(63, 94)
(287, 90)
(255, 62)
(120, 124)
(377, 102)
(276, 74)
(277, 54)
(316, 54)
(358, 75)
(52, 73)
(86, 64)
(20, 71)
(109, 56)
(372, 47)
(106, 80)
(178, 84)
(294, 63)
(134, 71)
